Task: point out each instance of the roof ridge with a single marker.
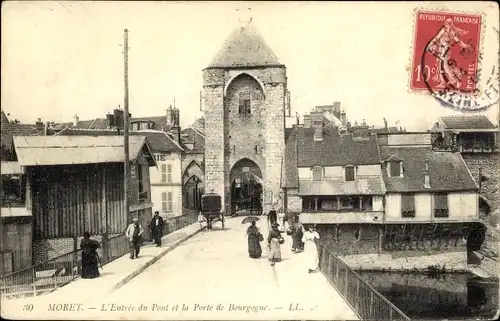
(176, 143)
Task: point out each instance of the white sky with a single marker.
(65, 58)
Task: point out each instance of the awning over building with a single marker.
(370, 185)
(66, 150)
(11, 168)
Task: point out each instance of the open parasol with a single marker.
(249, 219)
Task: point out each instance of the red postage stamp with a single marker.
(446, 52)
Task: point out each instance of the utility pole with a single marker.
(126, 161)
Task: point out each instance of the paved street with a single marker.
(213, 268)
(209, 270)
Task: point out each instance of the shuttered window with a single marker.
(407, 205)
(317, 173)
(166, 201)
(441, 205)
(169, 173)
(350, 173)
(163, 173)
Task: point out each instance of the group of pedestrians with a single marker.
(90, 258)
(302, 240)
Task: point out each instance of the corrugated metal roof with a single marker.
(367, 185)
(11, 168)
(64, 150)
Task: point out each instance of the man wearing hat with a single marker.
(134, 234)
(156, 228)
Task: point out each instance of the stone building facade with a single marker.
(244, 95)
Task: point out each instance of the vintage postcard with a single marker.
(249, 160)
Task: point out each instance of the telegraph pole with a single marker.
(125, 129)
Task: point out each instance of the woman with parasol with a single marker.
(254, 238)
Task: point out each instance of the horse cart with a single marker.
(211, 209)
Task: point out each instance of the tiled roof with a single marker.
(199, 125)
(245, 47)
(447, 171)
(158, 141)
(335, 149)
(467, 122)
(364, 185)
(101, 123)
(4, 118)
(10, 130)
(193, 135)
(65, 150)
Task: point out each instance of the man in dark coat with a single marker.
(156, 228)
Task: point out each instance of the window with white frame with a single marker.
(166, 201)
(317, 172)
(350, 173)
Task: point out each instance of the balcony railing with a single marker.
(47, 276)
(367, 302)
(332, 217)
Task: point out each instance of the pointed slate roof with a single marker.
(244, 47)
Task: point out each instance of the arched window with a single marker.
(317, 173)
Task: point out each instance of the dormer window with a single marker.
(317, 173)
(394, 166)
(349, 173)
(245, 104)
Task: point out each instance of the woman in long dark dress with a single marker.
(90, 268)
(254, 239)
(297, 233)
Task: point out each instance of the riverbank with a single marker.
(402, 261)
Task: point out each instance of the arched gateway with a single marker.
(246, 187)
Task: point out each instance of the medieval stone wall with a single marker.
(487, 164)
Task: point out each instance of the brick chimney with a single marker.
(307, 121)
(110, 121)
(317, 124)
(40, 126)
(176, 133)
(76, 119)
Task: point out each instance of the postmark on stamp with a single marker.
(446, 59)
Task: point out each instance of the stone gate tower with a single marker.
(244, 90)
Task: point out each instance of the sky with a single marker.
(65, 58)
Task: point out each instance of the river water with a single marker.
(461, 296)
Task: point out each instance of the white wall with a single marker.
(461, 205)
(175, 186)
